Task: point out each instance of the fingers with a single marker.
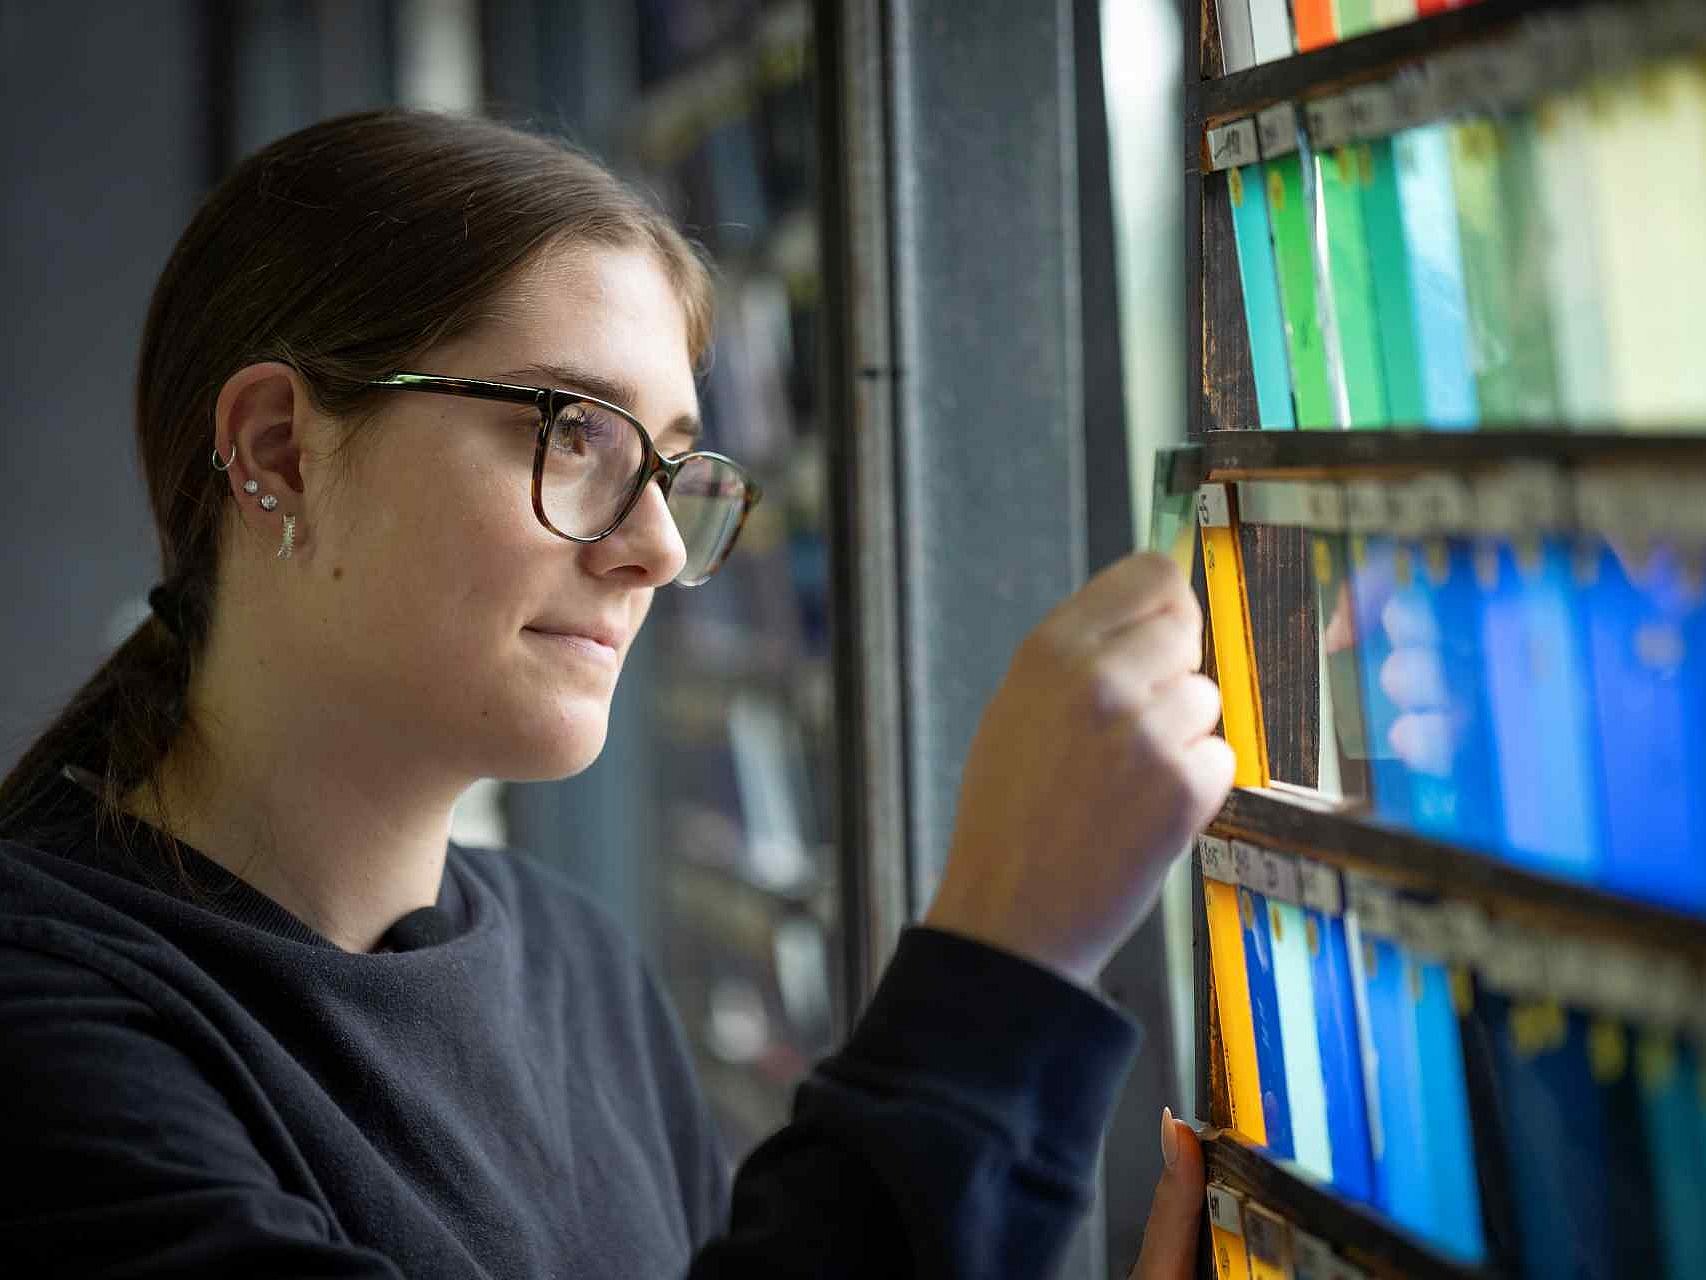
(1341, 630)
(1126, 592)
(1211, 766)
(1149, 654)
(1409, 622)
(1185, 708)
(1414, 679)
(1170, 1238)
(1422, 740)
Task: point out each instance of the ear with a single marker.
(264, 411)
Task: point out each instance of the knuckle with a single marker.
(1112, 697)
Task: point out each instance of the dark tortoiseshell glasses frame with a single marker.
(551, 401)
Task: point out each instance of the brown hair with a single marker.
(344, 250)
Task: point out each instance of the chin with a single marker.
(560, 749)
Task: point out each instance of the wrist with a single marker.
(1012, 936)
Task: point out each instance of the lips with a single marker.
(608, 636)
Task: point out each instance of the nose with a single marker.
(646, 544)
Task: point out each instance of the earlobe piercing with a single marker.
(251, 486)
(268, 502)
(289, 543)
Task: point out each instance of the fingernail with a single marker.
(1169, 1138)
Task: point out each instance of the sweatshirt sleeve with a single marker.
(954, 1136)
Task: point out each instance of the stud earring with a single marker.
(268, 502)
(251, 486)
(289, 544)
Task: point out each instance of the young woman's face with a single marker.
(451, 616)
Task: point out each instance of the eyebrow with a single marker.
(617, 392)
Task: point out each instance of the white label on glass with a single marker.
(1320, 885)
(1311, 1259)
(1375, 906)
(1213, 510)
(1466, 933)
(1515, 963)
(1223, 1210)
(1440, 504)
(1215, 856)
(1415, 97)
(1329, 122)
(1421, 929)
(1280, 877)
(1232, 145)
(1277, 130)
(1456, 76)
(1245, 865)
(1366, 508)
(1324, 507)
(1373, 111)
(1272, 502)
(1522, 498)
(1265, 1233)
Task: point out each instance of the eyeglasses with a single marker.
(592, 460)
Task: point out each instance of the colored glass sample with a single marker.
(1373, 582)
(1493, 168)
(1353, 17)
(1266, 1240)
(1341, 1056)
(1627, 1193)
(1341, 180)
(1539, 705)
(1438, 295)
(1403, 1179)
(1234, 654)
(1570, 204)
(1336, 627)
(1555, 1141)
(1646, 627)
(1649, 131)
(1670, 1093)
(1262, 315)
(1265, 1020)
(1456, 1225)
(1294, 255)
(1454, 769)
(1315, 23)
(1306, 1090)
(1237, 43)
(1392, 13)
(1390, 281)
(1270, 29)
(1226, 1237)
(1172, 518)
(1232, 1005)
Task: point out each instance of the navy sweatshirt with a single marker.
(194, 1083)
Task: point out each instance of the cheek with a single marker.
(446, 550)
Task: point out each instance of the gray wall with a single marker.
(105, 151)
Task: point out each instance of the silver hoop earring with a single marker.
(251, 486)
(268, 502)
(224, 464)
(289, 544)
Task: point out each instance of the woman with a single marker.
(416, 407)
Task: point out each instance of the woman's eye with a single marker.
(578, 431)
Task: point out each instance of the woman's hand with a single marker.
(1170, 1238)
(1094, 765)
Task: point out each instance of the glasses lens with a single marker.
(592, 463)
(707, 500)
